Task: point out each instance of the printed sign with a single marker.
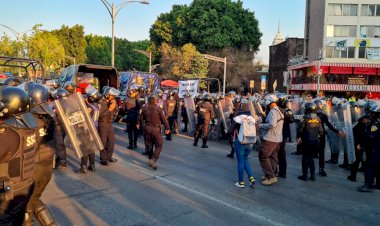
(252, 84)
(263, 82)
(188, 86)
(373, 53)
(356, 81)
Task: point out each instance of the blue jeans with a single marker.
(242, 152)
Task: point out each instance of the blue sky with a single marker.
(134, 21)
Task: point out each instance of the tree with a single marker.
(208, 24)
(98, 50)
(73, 41)
(47, 48)
(184, 62)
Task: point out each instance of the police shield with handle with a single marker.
(43, 169)
(18, 130)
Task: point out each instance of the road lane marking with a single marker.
(221, 202)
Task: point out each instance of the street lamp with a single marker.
(113, 11)
(15, 33)
(319, 73)
(149, 55)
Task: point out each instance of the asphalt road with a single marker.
(194, 186)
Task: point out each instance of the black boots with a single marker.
(322, 172)
(231, 155)
(334, 158)
(91, 167)
(83, 169)
(204, 143)
(195, 142)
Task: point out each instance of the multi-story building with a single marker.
(341, 48)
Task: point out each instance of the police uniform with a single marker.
(205, 113)
(151, 120)
(60, 151)
(373, 156)
(106, 131)
(132, 108)
(16, 167)
(43, 169)
(93, 109)
(310, 131)
(170, 109)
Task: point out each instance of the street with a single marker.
(194, 186)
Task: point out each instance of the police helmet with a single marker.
(13, 101)
(206, 97)
(133, 89)
(153, 97)
(61, 93)
(231, 94)
(159, 93)
(38, 94)
(310, 108)
(111, 92)
(104, 89)
(270, 99)
(237, 99)
(282, 100)
(141, 89)
(12, 81)
(92, 94)
(70, 86)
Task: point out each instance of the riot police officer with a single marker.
(373, 152)
(288, 119)
(308, 135)
(60, 134)
(132, 107)
(43, 169)
(322, 143)
(151, 119)
(20, 136)
(108, 112)
(170, 109)
(205, 113)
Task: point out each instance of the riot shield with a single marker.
(225, 110)
(332, 137)
(179, 115)
(190, 111)
(348, 130)
(78, 125)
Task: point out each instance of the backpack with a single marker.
(247, 131)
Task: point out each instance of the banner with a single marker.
(362, 42)
(188, 86)
(373, 53)
(341, 45)
(263, 82)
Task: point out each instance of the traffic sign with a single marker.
(252, 84)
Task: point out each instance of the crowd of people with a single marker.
(33, 133)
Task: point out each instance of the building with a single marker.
(279, 56)
(279, 37)
(341, 48)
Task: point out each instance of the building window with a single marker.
(370, 10)
(370, 31)
(343, 10)
(331, 52)
(341, 31)
(362, 52)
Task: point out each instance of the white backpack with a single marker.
(247, 131)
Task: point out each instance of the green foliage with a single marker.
(184, 62)
(74, 42)
(208, 24)
(98, 50)
(47, 48)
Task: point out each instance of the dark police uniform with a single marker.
(151, 120)
(373, 154)
(106, 131)
(132, 108)
(16, 168)
(43, 170)
(310, 131)
(288, 118)
(170, 109)
(60, 152)
(205, 113)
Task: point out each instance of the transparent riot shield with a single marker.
(190, 111)
(348, 130)
(332, 137)
(225, 109)
(78, 125)
(179, 115)
(214, 127)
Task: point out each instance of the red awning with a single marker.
(331, 64)
(364, 71)
(340, 70)
(169, 83)
(325, 69)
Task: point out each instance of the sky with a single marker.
(134, 21)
